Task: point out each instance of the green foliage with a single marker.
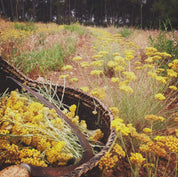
(165, 41)
(75, 28)
(29, 26)
(45, 60)
(126, 31)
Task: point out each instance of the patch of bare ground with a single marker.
(83, 49)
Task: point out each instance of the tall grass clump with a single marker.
(165, 41)
(28, 26)
(45, 59)
(125, 31)
(75, 27)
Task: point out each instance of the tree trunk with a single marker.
(3, 9)
(17, 13)
(50, 10)
(12, 9)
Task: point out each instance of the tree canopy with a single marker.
(146, 13)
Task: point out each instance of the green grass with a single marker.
(165, 42)
(126, 31)
(29, 26)
(76, 28)
(44, 60)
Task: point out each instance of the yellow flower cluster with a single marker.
(174, 65)
(160, 96)
(118, 150)
(171, 142)
(129, 75)
(84, 64)
(154, 117)
(96, 72)
(85, 89)
(64, 76)
(120, 127)
(99, 93)
(161, 79)
(98, 63)
(171, 73)
(114, 110)
(77, 58)
(126, 89)
(172, 87)
(153, 147)
(28, 133)
(137, 159)
(108, 161)
(98, 135)
(147, 130)
(115, 79)
(67, 68)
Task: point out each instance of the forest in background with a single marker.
(138, 13)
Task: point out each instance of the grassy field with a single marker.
(132, 71)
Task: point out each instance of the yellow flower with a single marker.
(120, 127)
(176, 119)
(137, 63)
(174, 65)
(149, 165)
(152, 147)
(97, 63)
(153, 117)
(115, 79)
(147, 130)
(98, 135)
(156, 57)
(64, 76)
(99, 93)
(74, 79)
(148, 66)
(149, 60)
(170, 141)
(97, 56)
(115, 54)
(160, 96)
(85, 89)
(171, 73)
(73, 108)
(107, 161)
(126, 88)
(118, 150)
(161, 79)
(130, 75)
(137, 159)
(84, 64)
(124, 83)
(166, 55)
(172, 87)
(159, 70)
(151, 49)
(152, 74)
(96, 72)
(119, 68)
(111, 64)
(103, 53)
(114, 110)
(138, 67)
(77, 58)
(119, 60)
(67, 68)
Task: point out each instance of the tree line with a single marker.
(141, 13)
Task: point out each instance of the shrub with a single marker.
(126, 31)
